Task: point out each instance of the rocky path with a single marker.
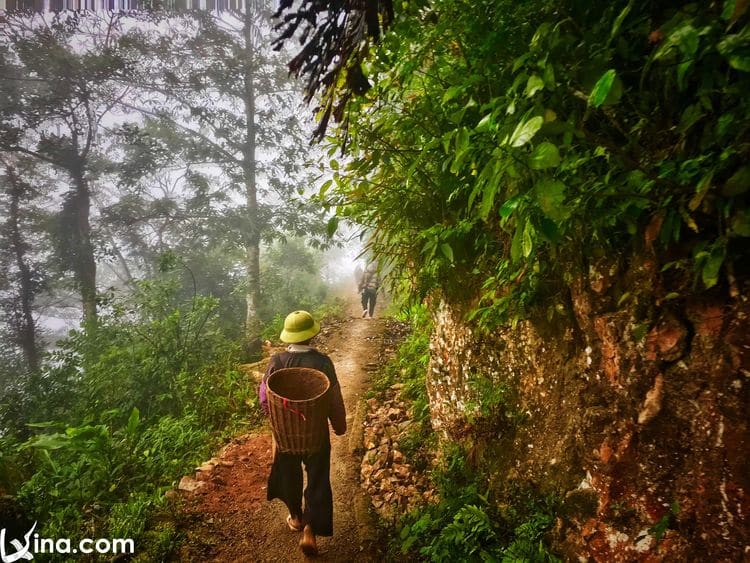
(227, 517)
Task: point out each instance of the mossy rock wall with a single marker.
(631, 411)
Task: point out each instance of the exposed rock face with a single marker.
(638, 401)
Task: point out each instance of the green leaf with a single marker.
(736, 49)
(549, 230)
(682, 70)
(515, 245)
(451, 93)
(485, 124)
(331, 226)
(133, 420)
(619, 19)
(509, 206)
(550, 194)
(700, 191)
(544, 155)
(712, 266)
(740, 224)
(690, 117)
(462, 139)
(533, 85)
(51, 441)
(525, 131)
(549, 76)
(601, 88)
(728, 9)
(447, 251)
(686, 38)
(541, 32)
(528, 239)
(518, 63)
(738, 183)
(325, 187)
(488, 199)
(724, 124)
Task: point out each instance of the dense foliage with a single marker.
(509, 151)
(117, 416)
(114, 417)
(506, 147)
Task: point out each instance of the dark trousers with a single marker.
(369, 296)
(285, 483)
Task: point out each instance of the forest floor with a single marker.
(229, 519)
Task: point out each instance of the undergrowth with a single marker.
(121, 413)
(468, 523)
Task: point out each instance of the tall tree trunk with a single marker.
(252, 241)
(26, 327)
(84, 266)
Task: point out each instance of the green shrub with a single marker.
(136, 404)
(468, 525)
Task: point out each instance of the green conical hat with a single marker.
(298, 327)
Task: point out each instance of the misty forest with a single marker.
(551, 196)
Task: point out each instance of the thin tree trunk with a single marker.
(84, 266)
(26, 329)
(252, 250)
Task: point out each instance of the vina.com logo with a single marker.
(38, 545)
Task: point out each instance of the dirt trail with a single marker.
(229, 519)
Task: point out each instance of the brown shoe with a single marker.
(307, 543)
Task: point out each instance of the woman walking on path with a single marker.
(285, 481)
(368, 286)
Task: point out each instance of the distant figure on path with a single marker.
(285, 480)
(368, 286)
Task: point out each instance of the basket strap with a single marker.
(295, 411)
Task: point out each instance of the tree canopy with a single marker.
(511, 146)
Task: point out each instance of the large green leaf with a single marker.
(736, 49)
(712, 266)
(133, 421)
(516, 245)
(544, 155)
(528, 239)
(684, 38)
(534, 84)
(488, 199)
(525, 131)
(601, 88)
(550, 194)
(447, 251)
(728, 9)
(451, 93)
(740, 224)
(509, 206)
(51, 441)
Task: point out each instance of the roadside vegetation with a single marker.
(465, 520)
(114, 418)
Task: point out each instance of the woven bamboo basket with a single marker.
(298, 402)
